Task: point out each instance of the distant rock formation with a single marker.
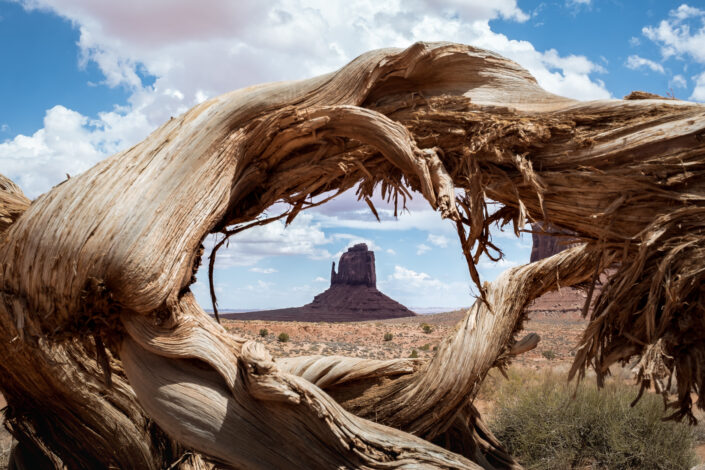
(352, 296)
(545, 245)
(563, 302)
(356, 268)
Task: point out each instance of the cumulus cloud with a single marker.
(675, 35)
(438, 240)
(682, 34)
(351, 241)
(678, 81)
(500, 265)
(699, 90)
(635, 62)
(354, 240)
(422, 290)
(425, 219)
(577, 5)
(685, 11)
(263, 270)
(302, 237)
(259, 286)
(422, 248)
(191, 53)
(68, 143)
(567, 76)
(413, 279)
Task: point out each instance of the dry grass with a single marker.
(544, 427)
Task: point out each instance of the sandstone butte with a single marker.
(567, 301)
(352, 296)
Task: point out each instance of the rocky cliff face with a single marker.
(565, 302)
(546, 245)
(356, 268)
(352, 296)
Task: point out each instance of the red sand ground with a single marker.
(556, 318)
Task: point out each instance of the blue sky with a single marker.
(83, 79)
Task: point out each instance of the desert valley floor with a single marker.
(559, 335)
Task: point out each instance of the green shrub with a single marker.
(425, 347)
(545, 428)
(263, 332)
(283, 338)
(414, 354)
(388, 336)
(548, 354)
(426, 328)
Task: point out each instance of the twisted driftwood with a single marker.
(109, 361)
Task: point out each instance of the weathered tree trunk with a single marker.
(106, 352)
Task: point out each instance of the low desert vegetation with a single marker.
(388, 336)
(263, 332)
(426, 328)
(548, 354)
(414, 354)
(283, 337)
(544, 427)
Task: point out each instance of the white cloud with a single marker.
(678, 81)
(685, 11)
(567, 76)
(501, 265)
(320, 279)
(419, 289)
(351, 241)
(422, 248)
(425, 219)
(247, 41)
(263, 270)
(259, 286)
(681, 35)
(191, 52)
(675, 35)
(635, 62)
(576, 4)
(303, 237)
(438, 240)
(413, 280)
(390, 251)
(699, 90)
(304, 289)
(68, 143)
(634, 41)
